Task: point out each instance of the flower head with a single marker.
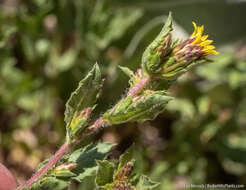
(167, 59)
(188, 53)
(195, 47)
(199, 39)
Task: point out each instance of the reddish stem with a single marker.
(135, 90)
(139, 86)
(62, 150)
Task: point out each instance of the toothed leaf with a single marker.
(105, 172)
(145, 183)
(83, 97)
(140, 108)
(85, 158)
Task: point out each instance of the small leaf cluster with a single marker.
(112, 176)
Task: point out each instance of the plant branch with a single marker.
(139, 86)
(97, 125)
(62, 150)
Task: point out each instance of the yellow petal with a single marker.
(204, 37)
(214, 52)
(206, 43)
(210, 47)
(197, 40)
(210, 52)
(195, 29)
(200, 30)
(202, 41)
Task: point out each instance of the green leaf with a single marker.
(122, 20)
(126, 157)
(133, 79)
(64, 174)
(140, 108)
(6, 31)
(106, 187)
(128, 72)
(111, 26)
(85, 158)
(108, 179)
(105, 172)
(60, 62)
(49, 183)
(84, 96)
(145, 183)
(63, 170)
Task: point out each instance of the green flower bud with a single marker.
(64, 170)
(122, 185)
(79, 122)
(188, 53)
(167, 60)
(158, 51)
(125, 172)
(138, 108)
(122, 178)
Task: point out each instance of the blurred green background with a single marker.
(46, 47)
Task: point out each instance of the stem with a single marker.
(62, 150)
(139, 86)
(98, 124)
(136, 89)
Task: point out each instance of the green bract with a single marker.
(157, 52)
(173, 69)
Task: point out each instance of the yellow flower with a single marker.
(202, 41)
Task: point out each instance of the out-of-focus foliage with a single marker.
(47, 46)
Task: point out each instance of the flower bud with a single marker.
(167, 60)
(157, 52)
(122, 185)
(188, 53)
(64, 170)
(125, 172)
(80, 122)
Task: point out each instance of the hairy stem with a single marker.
(139, 86)
(97, 125)
(62, 150)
